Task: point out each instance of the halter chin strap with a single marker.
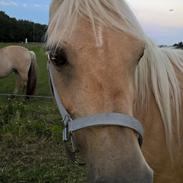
(103, 119)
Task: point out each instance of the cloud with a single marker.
(41, 6)
(24, 5)
(159, 13)
(37, 5)
(8, 3)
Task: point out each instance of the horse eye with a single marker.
(58, 57)
(140, 57)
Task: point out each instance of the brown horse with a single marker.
(21, 61)
(102, 62)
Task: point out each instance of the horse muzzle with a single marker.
(146, 176)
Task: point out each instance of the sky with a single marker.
(162, 20)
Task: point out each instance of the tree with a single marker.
(13, 30)
(178, 45)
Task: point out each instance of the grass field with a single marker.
(31, 147)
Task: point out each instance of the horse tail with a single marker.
(32, 75)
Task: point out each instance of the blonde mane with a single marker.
(155, 72)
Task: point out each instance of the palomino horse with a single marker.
(105, 74)
(21, 61)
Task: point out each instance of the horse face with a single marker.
(97, 76)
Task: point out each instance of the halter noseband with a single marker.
(101, 119)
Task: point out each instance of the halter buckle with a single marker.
(66, 133)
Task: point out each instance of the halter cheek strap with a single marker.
(102, 119)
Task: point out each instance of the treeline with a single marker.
(178, 45)
(13, 30)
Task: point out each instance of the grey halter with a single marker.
(103, 119)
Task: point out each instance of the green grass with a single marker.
(31, 147)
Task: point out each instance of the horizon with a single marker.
(161, 20)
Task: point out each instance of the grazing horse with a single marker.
(106, 74)
(21, 61)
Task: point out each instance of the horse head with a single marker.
(93, 73)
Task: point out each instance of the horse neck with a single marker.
(154, 136)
